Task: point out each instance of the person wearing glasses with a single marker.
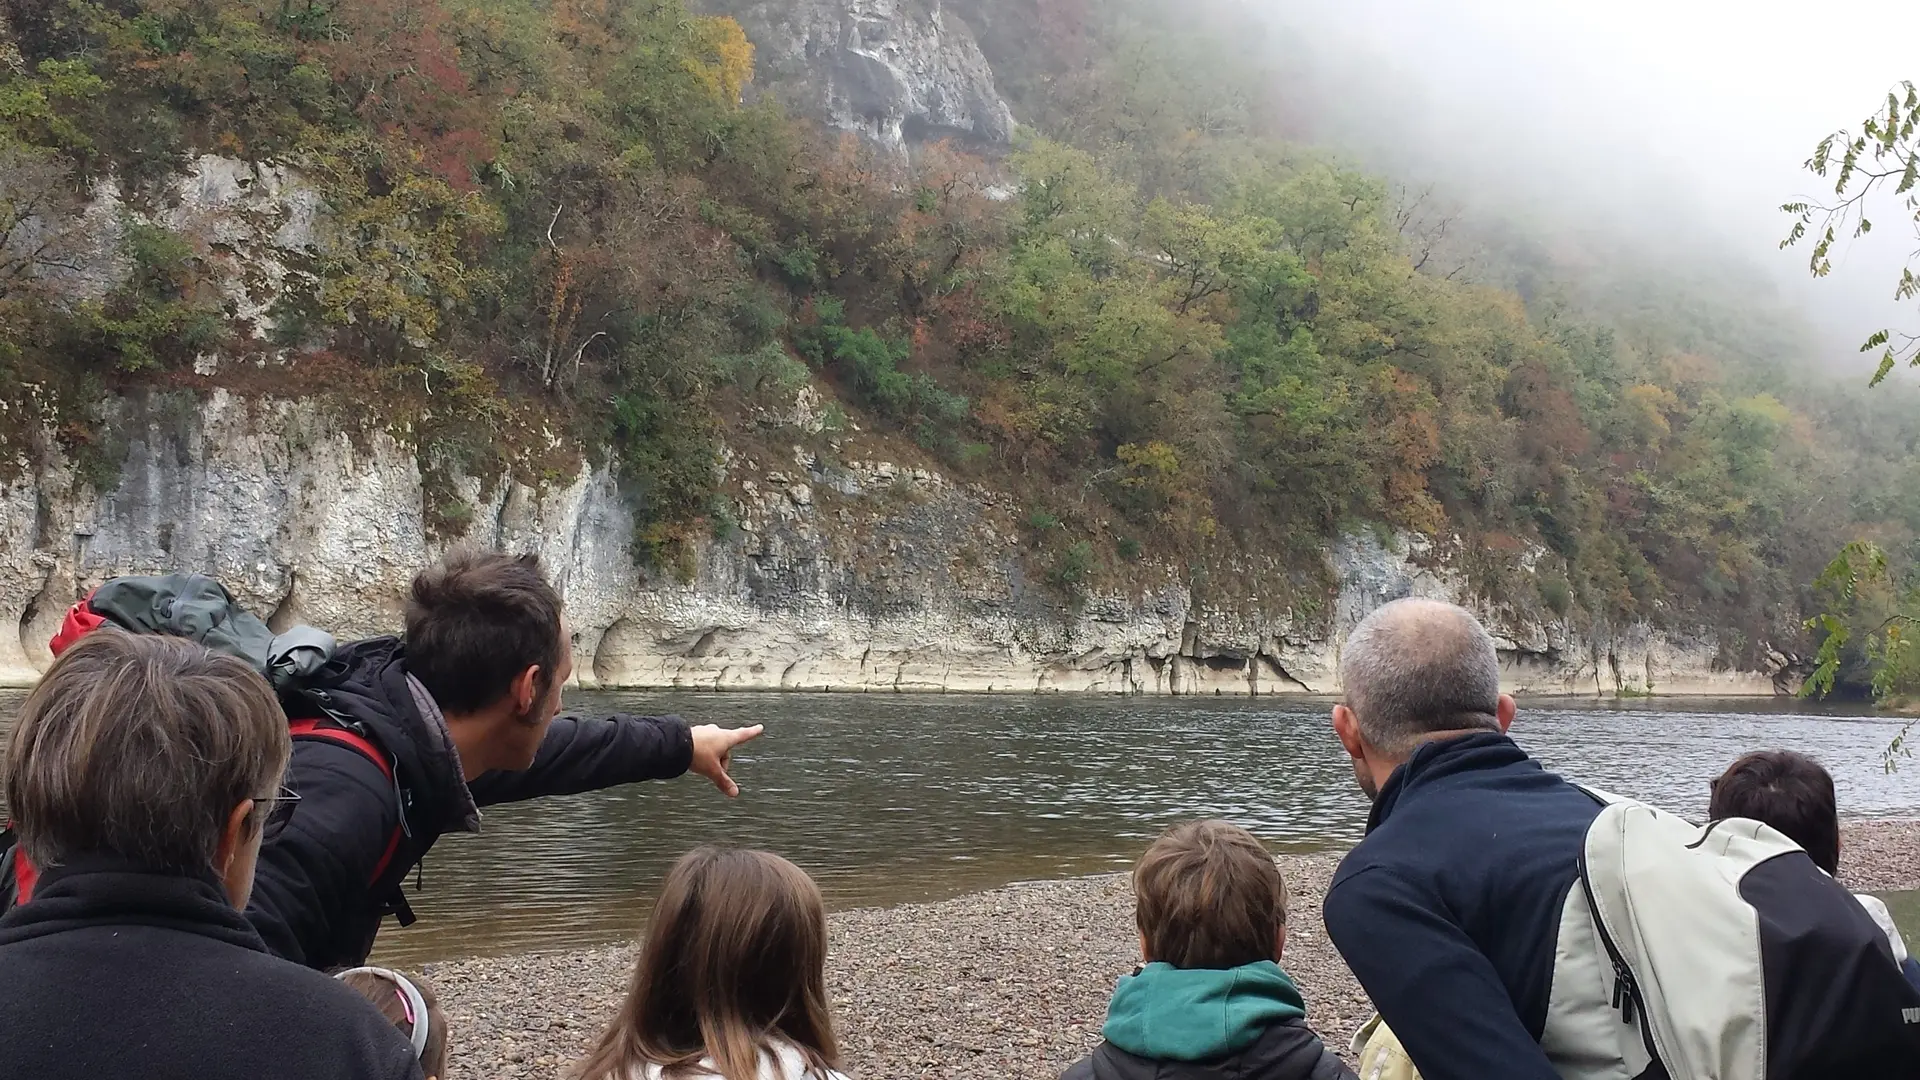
(142, 775)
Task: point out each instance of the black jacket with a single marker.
(1286, 1051)
(316, 898)
(112, 971)
(1449, 911)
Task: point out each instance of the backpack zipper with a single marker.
(1626, 988)
(1624, 991)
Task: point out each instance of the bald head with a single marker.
(1416, 667)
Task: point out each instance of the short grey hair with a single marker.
(1414, 667)
(140, 746)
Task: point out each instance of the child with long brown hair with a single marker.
(731, 982)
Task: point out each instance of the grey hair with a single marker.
(141, 746)
(1414, 667)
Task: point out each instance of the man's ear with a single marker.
(1347, 727)
(1504, 711)
(233, 836)
(525, 690)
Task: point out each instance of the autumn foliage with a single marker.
(1167, 329)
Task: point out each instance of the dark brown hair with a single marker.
(1208, 895)
(392, 1003)
(475, 622)
(1789, 791)
(140, 746)
(735, 956)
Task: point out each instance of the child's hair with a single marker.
(1208, 895)
(408, 1001)
(735, 956)
(1789, 791)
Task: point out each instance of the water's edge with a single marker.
(1690, 692)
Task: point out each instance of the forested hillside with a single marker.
(1171, 330)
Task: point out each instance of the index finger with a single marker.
(745, 734)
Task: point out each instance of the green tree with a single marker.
(1883, 156)
(1867, 631)
(1866, 620)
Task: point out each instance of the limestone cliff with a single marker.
(855, 573)
(895, 71)
(863, 575)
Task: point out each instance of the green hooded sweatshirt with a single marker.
(1198, 1014)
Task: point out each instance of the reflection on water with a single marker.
(895, 798)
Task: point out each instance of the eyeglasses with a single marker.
(279, 810)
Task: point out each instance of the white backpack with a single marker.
(1720, 952)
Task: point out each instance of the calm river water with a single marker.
(887, 799)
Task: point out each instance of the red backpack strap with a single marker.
(80, 622)
(24, 877)
(314, 728)
(18, 866)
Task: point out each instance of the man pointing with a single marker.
(405, 741)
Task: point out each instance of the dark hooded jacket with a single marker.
(1449, 911)
(116, 971)
(1244, 1023)
(326, 882)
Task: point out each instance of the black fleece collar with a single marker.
(111, 891)
(1440, 759)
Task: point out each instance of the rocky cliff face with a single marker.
(851, 574)
(894, 71)
(858, 576)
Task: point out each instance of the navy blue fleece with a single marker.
(1448, 911)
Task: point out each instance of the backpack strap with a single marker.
(17, 874)
(80, 621)
(315, 728)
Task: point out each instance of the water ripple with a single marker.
(889, 798)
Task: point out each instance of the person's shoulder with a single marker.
(1365, 868)
(1109, 1061)
(784, 1061)
(1291, 1050)
(1883, 918)
(1079, 1070)
(313, 1013)
(301, 990)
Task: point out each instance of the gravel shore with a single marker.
(1011, 983)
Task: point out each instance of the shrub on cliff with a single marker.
(564, 219)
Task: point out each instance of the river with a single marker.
(889, 799)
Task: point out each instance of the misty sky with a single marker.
(1668, 116)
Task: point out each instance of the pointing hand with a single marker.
(713, 748)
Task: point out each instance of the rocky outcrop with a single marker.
(854, 573)
(895, 71)
(862, 575)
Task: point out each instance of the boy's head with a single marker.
(1208, 895)
(1788, 791)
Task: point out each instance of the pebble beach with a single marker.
(1011, 983)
